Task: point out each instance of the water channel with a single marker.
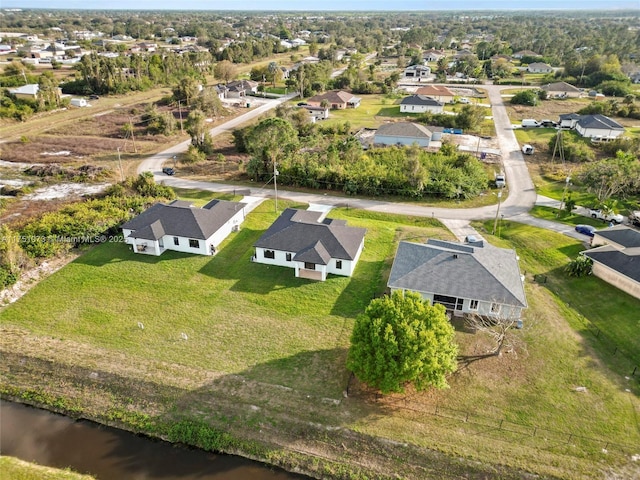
(107, 453)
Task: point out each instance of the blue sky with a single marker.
(326, 4)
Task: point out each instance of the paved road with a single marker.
(520, 196)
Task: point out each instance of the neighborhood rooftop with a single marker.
(404, 129)
(301, 231)
(180, 218)
(485, 273)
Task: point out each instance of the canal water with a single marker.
(107, 453)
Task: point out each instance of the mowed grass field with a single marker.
(521, 409)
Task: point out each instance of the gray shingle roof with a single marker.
(620, 261)
(404, 129)
(624, 236)
(560, 87)
(449, 268)
(420, 100)
(299, 231)
(599, 121)
(182, 220)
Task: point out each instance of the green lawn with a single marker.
(373, 110)
(262, 323)
(549, 213)
(15, 469)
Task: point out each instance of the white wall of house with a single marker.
(598, 132)
(614, 278)
(480, 307)
(421, 108)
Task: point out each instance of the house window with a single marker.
(269, 254)
(289, 256)
(309, 266)
(473, 305)
(495, 308)
(176, 241)
(339, 264)
(459, 303)
(194, 243)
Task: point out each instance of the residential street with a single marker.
(520, 195)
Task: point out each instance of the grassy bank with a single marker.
(15, 469)
(264, 361)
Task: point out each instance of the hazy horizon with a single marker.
(329, 5)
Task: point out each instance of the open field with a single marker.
(15, 469)
(264, 359)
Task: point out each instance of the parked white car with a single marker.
(611, 217)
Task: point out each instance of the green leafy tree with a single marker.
(269, 142)
(402, 339)
(579, 267)
(525, 97)
(225, 71)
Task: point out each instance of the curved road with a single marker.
(521, 192)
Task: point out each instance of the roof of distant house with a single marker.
(560, 87)
(435, 90)
(421, 100)
(599, 121)
(30, 89)
(622, 261)
(182, 219)
(621, 235)
(404, 129)
(334, 96)
(301, 232)
(479, 272)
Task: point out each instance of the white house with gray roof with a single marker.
(402, 133)
(471, 278)
(182, 227)
(598, 127)
(310, 244)
(420, 104)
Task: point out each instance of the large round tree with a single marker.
(402, 339)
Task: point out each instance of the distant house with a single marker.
(29, 91)
(569, 120)
(337, 99)
(317, 113)
(539, 67)
(182, 227)
(417, 71)
(402, 133)
(598, 127)
(471, 278)
(433, 55)
(437, 92)
(311, 245)
(561, 90)
(616, 258)
(241, 88)
(525, 53)
(420, 104)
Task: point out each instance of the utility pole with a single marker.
(275, 183)
(120, 163)
(133, 139)
(180, 112)
(564, 193)
(495, 223)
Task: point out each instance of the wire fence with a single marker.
(501, 429)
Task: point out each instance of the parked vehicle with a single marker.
(501, 181)
(588, 230)
(464, 100)
(548, 123)
(634, 218)
(530, 123)
(611, 217)
(527, 149)
(168, 171)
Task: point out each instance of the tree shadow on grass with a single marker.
(110, 253)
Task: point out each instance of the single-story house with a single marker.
(433, 55)
(29, 91)
(317, 113)
(539, 67)
(402, 133)
(312, 245)
(525, 53)
(598, 127)
(420, 104)
(437, 92)
(569, 120)
(241, 88)
(469, 278)
(561, 90)
(616, 258)
(182, 227)
(337, 99)
(417, 71)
